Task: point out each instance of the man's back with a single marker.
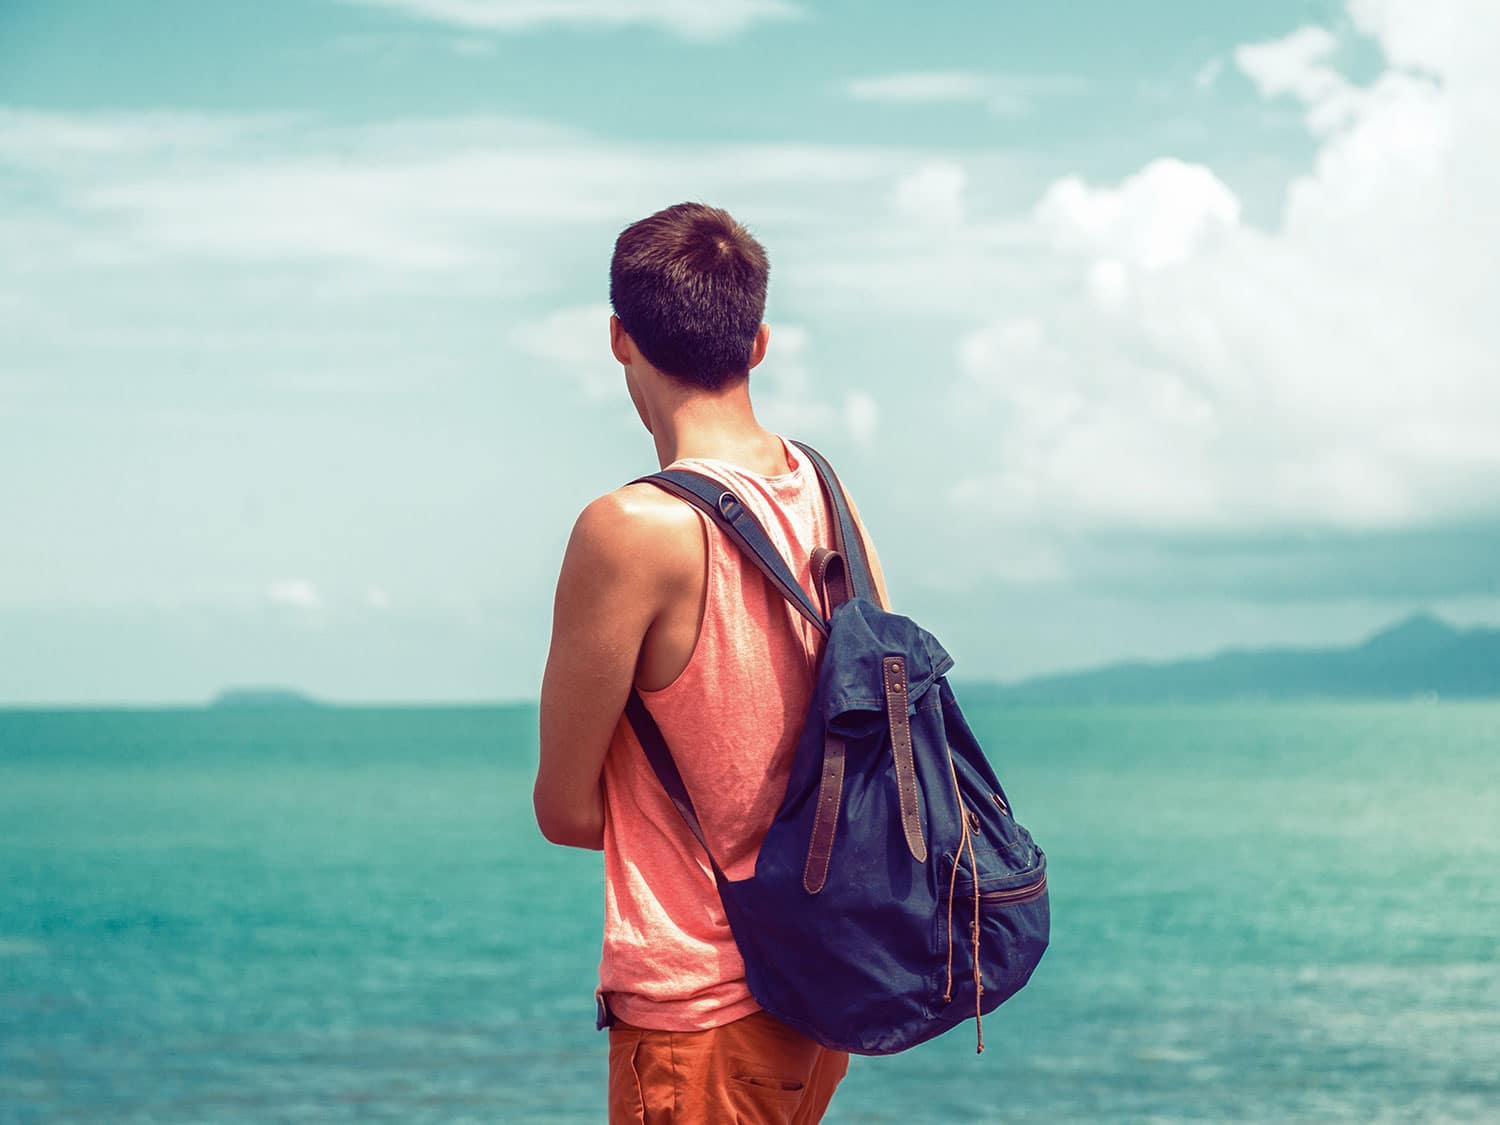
(732, 717)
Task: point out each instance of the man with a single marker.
(652, 596)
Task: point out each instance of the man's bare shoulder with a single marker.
(639, 529)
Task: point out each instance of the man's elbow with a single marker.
(572, 835)
(567, 829)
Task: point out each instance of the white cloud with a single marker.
(297, 593)
(471, 45)
(862, 416)
(1453, 38)
(789, 343)
(1296, 64)
(412, 197)
(690, 19)
(1335, 372)
(129, 188)
(920, 88)
(790, 400)
(1003, 95)
(1109, 283)
(441, 212)
(574, 342)
(933, 272)
(931, 193)
(45, 138)
(1158, 217)
(377, 597)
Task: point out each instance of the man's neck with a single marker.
(721, 426)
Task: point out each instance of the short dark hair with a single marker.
(689, 285)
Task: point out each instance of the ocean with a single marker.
(1260, 913)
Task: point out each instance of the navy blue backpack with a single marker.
(894, 895)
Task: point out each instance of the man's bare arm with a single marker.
(619, 568)
(599, 617)
(630, 553)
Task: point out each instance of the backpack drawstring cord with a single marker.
(965, 839)
(978, 984)
(952, 885)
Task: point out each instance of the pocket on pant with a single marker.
(627, 1101)
(768, 1082)
(764, 1099)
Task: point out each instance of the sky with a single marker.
(1136, 330)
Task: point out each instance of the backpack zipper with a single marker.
(1016, 894)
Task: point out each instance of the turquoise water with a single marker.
(1260, 914)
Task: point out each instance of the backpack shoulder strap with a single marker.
(846, 534)
(743, 529)
(654, 744)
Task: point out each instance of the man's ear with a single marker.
(619, 340)
(758, 348)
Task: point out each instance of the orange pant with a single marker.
(755, 1070)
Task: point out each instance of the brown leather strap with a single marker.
(906, 770)
(831, 577)
(826, 819)
(846, 533)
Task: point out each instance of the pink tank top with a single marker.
(731, 719)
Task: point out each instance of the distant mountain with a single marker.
(1419, 656)
(263, 697)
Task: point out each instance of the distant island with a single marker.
(263, 697)
(1421, 656)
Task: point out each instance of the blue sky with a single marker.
(1136, 330)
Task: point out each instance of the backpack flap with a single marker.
(886, 667)
(854, 686)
